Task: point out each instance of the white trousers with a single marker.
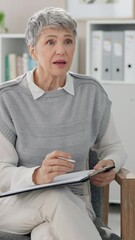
(54, 214)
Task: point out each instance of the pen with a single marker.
(67, 159)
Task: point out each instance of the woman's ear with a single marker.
(32, 51)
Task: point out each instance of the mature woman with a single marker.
(47, 114)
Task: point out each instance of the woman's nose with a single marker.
(60, 49)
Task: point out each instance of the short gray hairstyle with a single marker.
(55, 17)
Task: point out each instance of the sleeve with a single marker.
(11, 176)
(110, 146)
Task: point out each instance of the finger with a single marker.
(61, 168)
(104, 163)
(102, 181)
(106, 179)
(54, 159)
(55, 154)
(103, 178)
(100, 164)
(62, 162)
(59, 164)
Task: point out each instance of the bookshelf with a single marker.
(10, 43)
(121, 93)
(15, 44)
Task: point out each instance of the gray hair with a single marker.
(55, 17)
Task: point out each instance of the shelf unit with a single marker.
(122, 95)
(107, 26)
(15, 43)
(10, 43)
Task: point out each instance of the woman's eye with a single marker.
(50, 42)
(68, 41)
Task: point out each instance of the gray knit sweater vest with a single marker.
(55, 121)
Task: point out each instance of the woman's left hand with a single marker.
(104, 178)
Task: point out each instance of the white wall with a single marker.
(18, 11)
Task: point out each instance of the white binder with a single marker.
(96, 54)
(107, 56)
(117, 56)
(129, 60)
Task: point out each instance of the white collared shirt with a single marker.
(38, 92)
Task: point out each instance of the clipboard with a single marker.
(69, 178)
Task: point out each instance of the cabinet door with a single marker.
(123, 109)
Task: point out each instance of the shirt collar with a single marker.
(38, 92)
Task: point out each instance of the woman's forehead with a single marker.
(56, 30)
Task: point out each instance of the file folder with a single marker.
(129, 60)
(107, 56)
(96, 54)
(118, 56)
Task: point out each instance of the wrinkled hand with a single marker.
(52, 166)
(104, 178)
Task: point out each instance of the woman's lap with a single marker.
(59, 206)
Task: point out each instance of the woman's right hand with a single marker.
(52, 166)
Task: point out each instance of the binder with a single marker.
(129, 60)
(96, 54)
(107, 56)
(118, 55)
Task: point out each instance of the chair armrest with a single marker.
(124, 174)
(126, 180)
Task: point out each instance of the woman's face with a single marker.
(54, 51)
